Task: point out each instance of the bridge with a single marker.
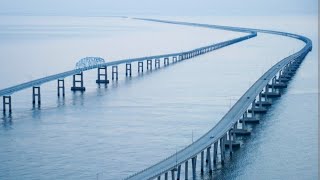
(223, 135)
(221, 139)
(98, 63)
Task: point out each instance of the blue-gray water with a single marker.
(111, 132)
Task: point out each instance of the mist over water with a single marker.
(112, 132)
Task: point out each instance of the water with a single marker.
(111, 132)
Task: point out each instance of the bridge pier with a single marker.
(222, 149)
(115, 73)
(140, 65)
(166, 176)
(209, 159)
(265, 102)
(259, 109)
(179, 171)
(36, 93)
(149, 64)
(180, 57)
(157, 63)
(240, 132)
(128, 69)
(273, 93)
(75, 81)
(174, 59)
(159, 178)
(104, 80)
(173, 174)
(5, 103)
(186, 170)
(202, 161)
(166, 61)
(61, 86)
(230, 141)
(194, 167)
(215, 152)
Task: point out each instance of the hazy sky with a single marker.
(160, 7)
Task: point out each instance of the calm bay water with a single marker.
(114, 131)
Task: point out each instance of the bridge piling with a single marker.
(179, 171)
(128, 69)
(202, 161)
(166, 61)
(230, 141)
(174, 59)
(215, 152)
(194, 167)
(75, 81)
(173, 174)
(36, 93)
(222, 149)
(5, 103)
(157, 63)
(103, 80)
(186, 170)
(115, 73)
(209, 159)
(180, 57)
(149, 64)
(140, 66)
(61, 86)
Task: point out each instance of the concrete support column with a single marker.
(76, 81)
(230, 141)
(260, 101)
(166, 61)
(202, 161)
(186, 170)
(215, 152)
(128, 69)
(273, 83)
(194, 168)
(159, 178)
(61, 86)
(179, 172)
(173, 174)
(244, 117)
(6, 101)
(166, 176)
(149, 64)
(174, 59)
(222, 149)
(115, 73)
(36, 93)
(209, 159)
(140, 66)
(102, 75)
(157, 63)
(180, 57)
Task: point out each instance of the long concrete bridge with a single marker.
(221, 139)
(90, 63)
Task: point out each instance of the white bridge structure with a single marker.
(221, 139)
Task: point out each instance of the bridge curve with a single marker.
(227, 126)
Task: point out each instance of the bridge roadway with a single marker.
(219, 131)
(10, 90)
